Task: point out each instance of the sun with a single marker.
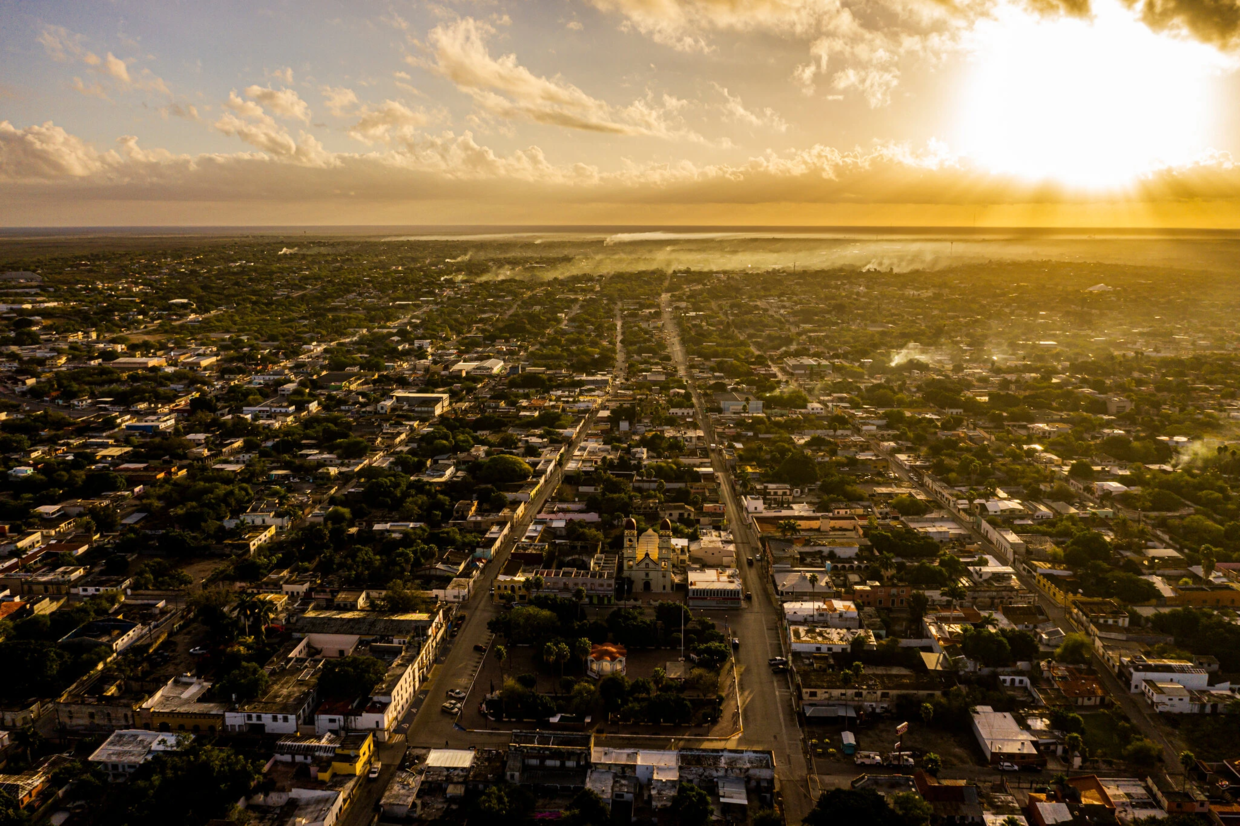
(1085, 103)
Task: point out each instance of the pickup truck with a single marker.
(868, 758)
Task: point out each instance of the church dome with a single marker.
(630, 524)
(665, 525)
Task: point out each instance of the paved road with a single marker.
(768, 711)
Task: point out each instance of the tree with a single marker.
(955, 592)
(1208, 561)
(932, 763)
(839, 806)
(11, 814)
(927, 713)
(201, 784)
(1081, 469)
(503, 805)
(813, 582)
(691, 806)
(587, 809)
(788, 528)
(766, 817)
(347, 678)
(255, 609)
(503, 469)
(247, 681)
(1188, 761)
(500, 653)
(1075, 650)
(1142, 752)
(986, 647)
(581, 650)
(798, 469)
(1075, 743)
(912, 808)
(909, 505)
(918, 602)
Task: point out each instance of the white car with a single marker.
(451, 707)
(1008, 767)
(375, 768)
(457, 694)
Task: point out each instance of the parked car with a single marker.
(749, 559)
(457, 694)
(736, 643)
(375, 768)
(779, 668)
(451, 707)
(777, 661)
(480, 647)
(1007, 767)
(198, 651)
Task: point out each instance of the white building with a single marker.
(1003, 740)
(834, 613)
(125, 750)
(716, 588)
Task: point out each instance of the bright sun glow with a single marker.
(1086, 103)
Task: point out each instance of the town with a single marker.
(324, 531)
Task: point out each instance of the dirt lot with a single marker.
(955, 748)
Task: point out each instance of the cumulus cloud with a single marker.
(338, 100)
(284, 102)
(503, 88)
(65, 46)
(734, 110)
(284, 75)
(45, 152)
(180, 110)
(246, 119)
(388, 120)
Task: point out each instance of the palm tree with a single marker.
(536, 583)
(1189, 761)
(581, 649)
(562, 655)
(549, 653)
(955, 592)
(501, 654)
(788, 528)
(253, 608)
(813, 582)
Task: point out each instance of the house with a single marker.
(124, 751)
(805, 639)
(734, 404)
(829, 693)
(829, 612)
(1138, 669)
(715, 588)
(1003, 740)
(420, 404)
(554, 760)
(181, 705)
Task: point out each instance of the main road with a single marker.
(768, 709)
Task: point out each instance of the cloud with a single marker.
(574, 25)
(45, 152)
(284, 75)
(64, 46)
(867, 38)
(284, 102)
(505, 89)
(735, 111)
(246, 119)
(1216, 22)
(338, 100)
(180, 110)
(387, 121)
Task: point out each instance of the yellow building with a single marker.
(352, 756)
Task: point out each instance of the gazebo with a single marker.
(607, 658)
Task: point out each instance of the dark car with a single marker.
(480, 647)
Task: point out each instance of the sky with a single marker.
(620, 112)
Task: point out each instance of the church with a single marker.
(653, 560)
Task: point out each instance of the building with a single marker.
(1173, 698)
(716, 588)
(830, 693)
(833, 613)
(648, 561)
(181, 706)
(126, 750)
(1088, 615)
(818, 639)
(733, 404)
(606, 659)
(553, 760)
(420, 404)
(1003, 740)
(1138, 669)
(873, 595)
